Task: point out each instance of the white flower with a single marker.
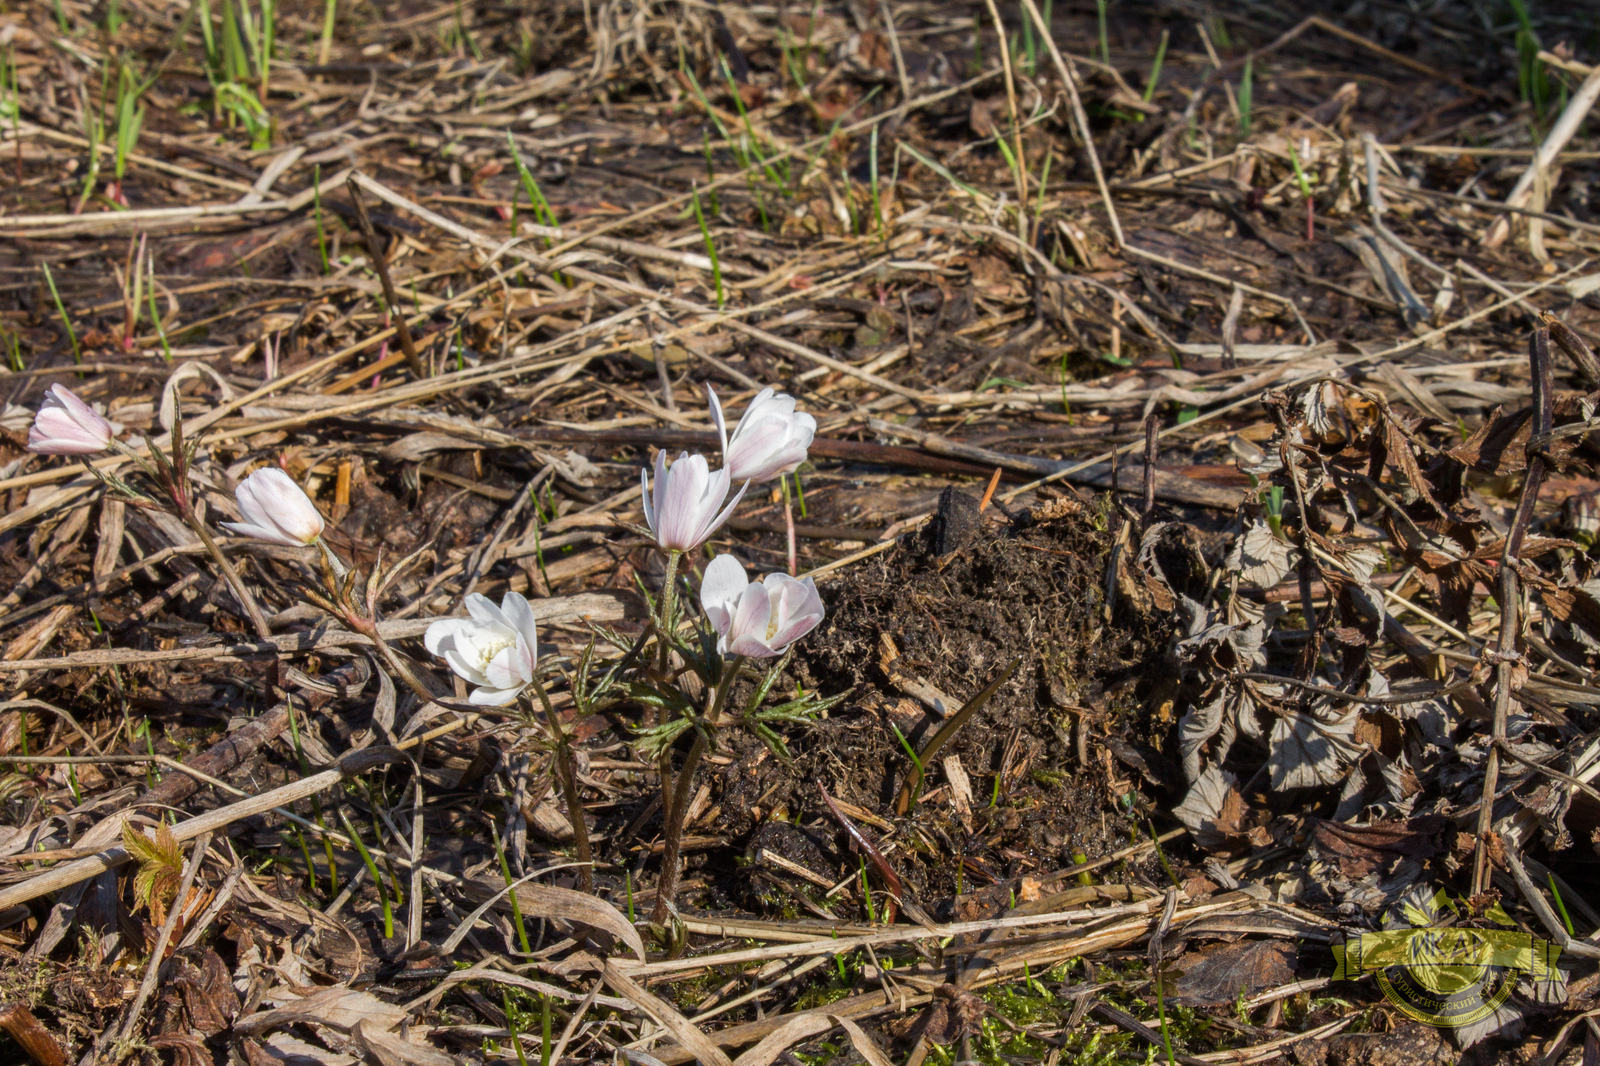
(769, 441)
(759, 619)
(275, 509)
(67, 426)
(682, 511)
(495, 649)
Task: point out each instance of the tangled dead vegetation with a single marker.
(1182, 619)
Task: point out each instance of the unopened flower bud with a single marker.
(275, 509)
(66, 425)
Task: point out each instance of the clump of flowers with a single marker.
(747, 627)
(685, 503)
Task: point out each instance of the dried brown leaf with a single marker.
(1218, 976)
(1358, 850)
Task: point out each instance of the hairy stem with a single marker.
(667, 889)
(569, 790)
(664, 667)
(251, 608)
(729, 674)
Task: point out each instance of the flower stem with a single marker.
(664, 668)
(251, 608)
(788, 521)
(665, 623)
(569, 790)
(667, 887)
(335, 563)
(730, 673)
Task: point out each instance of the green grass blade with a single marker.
(61, 309)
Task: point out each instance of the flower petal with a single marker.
(462, 665)
(493, 697)
(503, 671)
(80, 411)
(751, 452)
(519, 612)
(716, 523)
(644, 498)
(693, 493)
(720, 588)
(758, 410)
(716, 416)
(483, 609)
(751, 616)
(246, 529)
(440, 632)
(659, 492)
(794, 629)
(752, 646)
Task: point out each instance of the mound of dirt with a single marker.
(913, 635)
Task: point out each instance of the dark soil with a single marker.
(1000, 590)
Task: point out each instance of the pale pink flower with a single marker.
(496, 649)
(770, 440)
(275, 509)
(66, 425)
(682, 511)
(757, 618)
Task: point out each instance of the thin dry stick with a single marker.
(381, 265)
(894, 46)
(677, 257)
(1571, 118)
(143, 160)
(1580, 353)
(1152, 437)
(1505, 654)
(1075, 920)
(61, 224)
(416, 901)
(1070, 80)
(1020, 170)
